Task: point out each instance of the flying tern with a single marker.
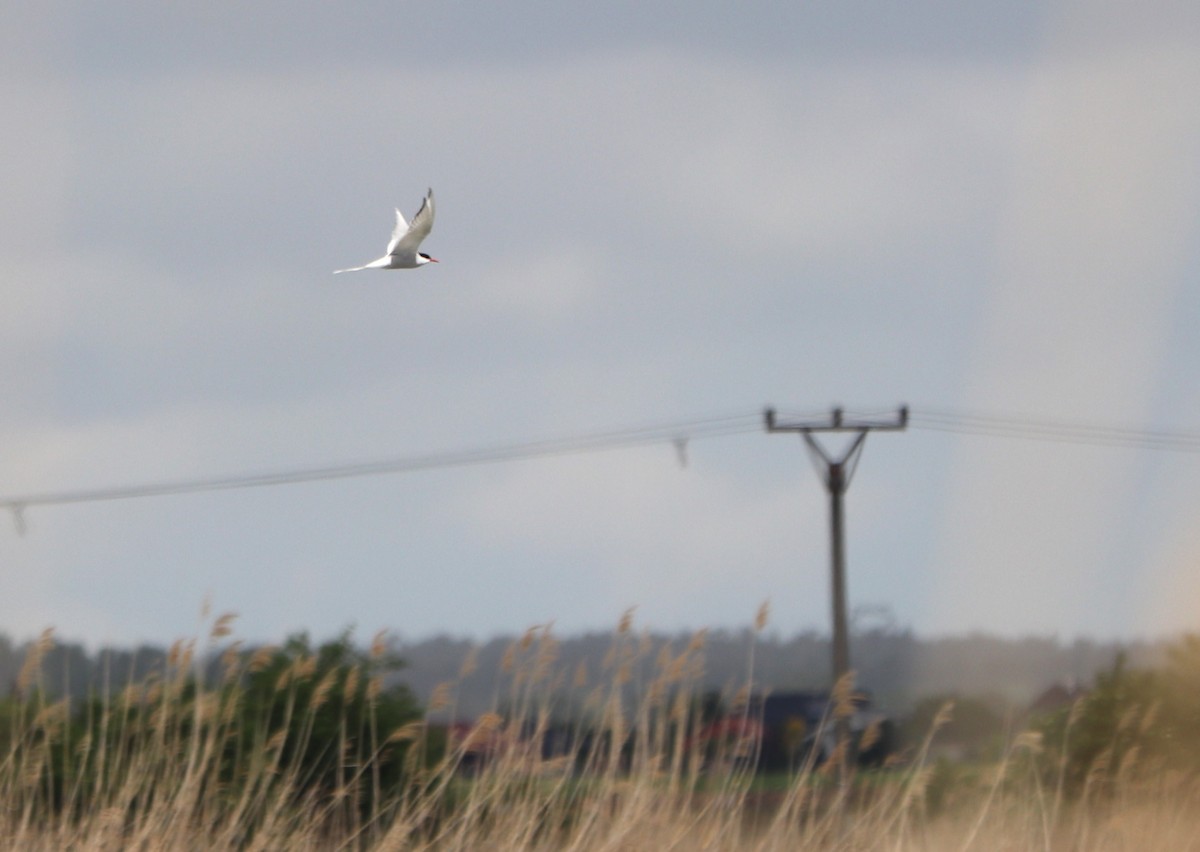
(406, 239)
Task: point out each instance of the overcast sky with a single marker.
(647, 212)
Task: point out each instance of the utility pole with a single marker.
(836, 472)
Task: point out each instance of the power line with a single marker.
(677, 433)
(628, 437)
(1055, 431)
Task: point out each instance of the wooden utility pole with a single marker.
(836, 472)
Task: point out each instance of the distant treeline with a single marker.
(896, 666)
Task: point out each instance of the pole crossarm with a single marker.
(838, 422)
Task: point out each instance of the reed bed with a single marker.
(164, 764)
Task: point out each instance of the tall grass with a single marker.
(166, 763)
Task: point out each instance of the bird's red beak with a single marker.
(434, 260)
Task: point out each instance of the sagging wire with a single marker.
(678, 433)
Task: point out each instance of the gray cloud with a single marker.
(643, 214)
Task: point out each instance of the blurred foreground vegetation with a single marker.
(317, 746)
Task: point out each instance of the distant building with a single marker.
(790, 730)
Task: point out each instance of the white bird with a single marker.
(406, 239)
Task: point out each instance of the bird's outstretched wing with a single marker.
(407, 238)
(397, 233)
